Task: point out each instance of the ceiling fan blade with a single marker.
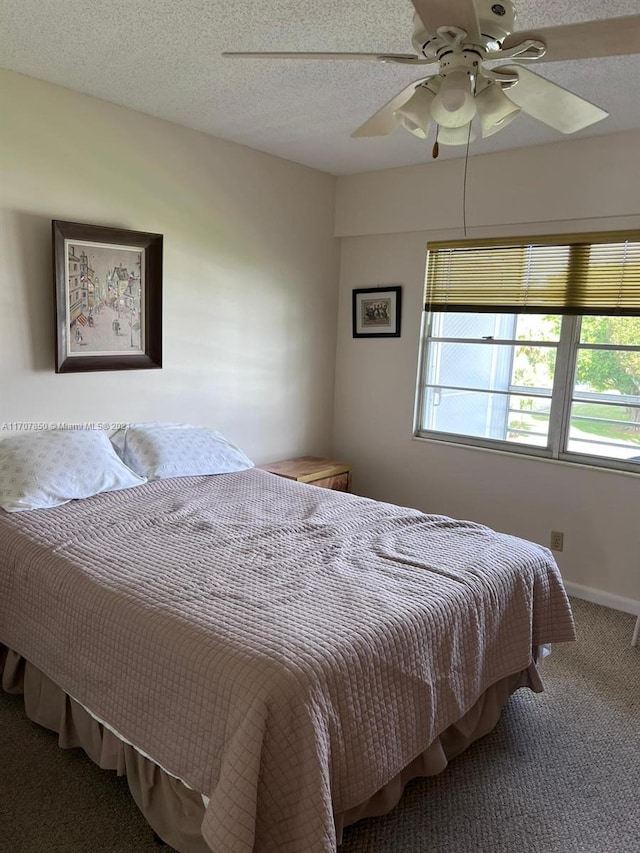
(384, 121)
(549, 103)
(609, 37)
(388, 57)
(448, 13)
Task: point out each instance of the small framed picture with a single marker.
(377, 312)
(108, 292)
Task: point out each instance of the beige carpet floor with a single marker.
(559, 774)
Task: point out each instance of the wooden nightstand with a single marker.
(326, 473)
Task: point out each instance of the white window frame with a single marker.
(567, 348)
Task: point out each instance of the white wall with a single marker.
(250, 271)
(385, 219)
(250, 302)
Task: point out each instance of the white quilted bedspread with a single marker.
(284, 649)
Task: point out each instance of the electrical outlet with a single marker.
(557, 540)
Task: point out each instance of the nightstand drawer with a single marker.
(339, 483)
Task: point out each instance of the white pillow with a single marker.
(160, 451)
(47, 469)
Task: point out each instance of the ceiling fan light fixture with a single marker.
(454, 105)
(415, 114)
(455, 135)
(495, 110)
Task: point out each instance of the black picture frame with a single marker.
(377, 312)
(108, 298)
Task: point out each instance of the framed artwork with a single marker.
(377, 312)
(108, 297)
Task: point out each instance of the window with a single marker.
(534, 347)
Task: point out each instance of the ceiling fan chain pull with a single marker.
(435, 151)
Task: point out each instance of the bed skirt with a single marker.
(173, 810)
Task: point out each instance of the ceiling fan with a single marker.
(462, 40)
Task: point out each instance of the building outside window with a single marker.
(534, 347)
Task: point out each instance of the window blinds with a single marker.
(560, 274)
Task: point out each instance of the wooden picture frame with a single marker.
(108, 298)
(377, 312)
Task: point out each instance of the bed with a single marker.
(267, 661)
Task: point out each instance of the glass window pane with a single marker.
(509, 327)
(534, 367)
(491, 367)
(538, 327)
(604, 430)
(501, 417)
(610, 330)
(476, 326)
(529, 420)
(481, 366)
(611, 372)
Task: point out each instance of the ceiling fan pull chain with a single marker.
(436, 148)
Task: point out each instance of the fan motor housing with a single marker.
(496, 20)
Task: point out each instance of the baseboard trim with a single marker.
(607, 599)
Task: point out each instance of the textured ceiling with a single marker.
(163, 57)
